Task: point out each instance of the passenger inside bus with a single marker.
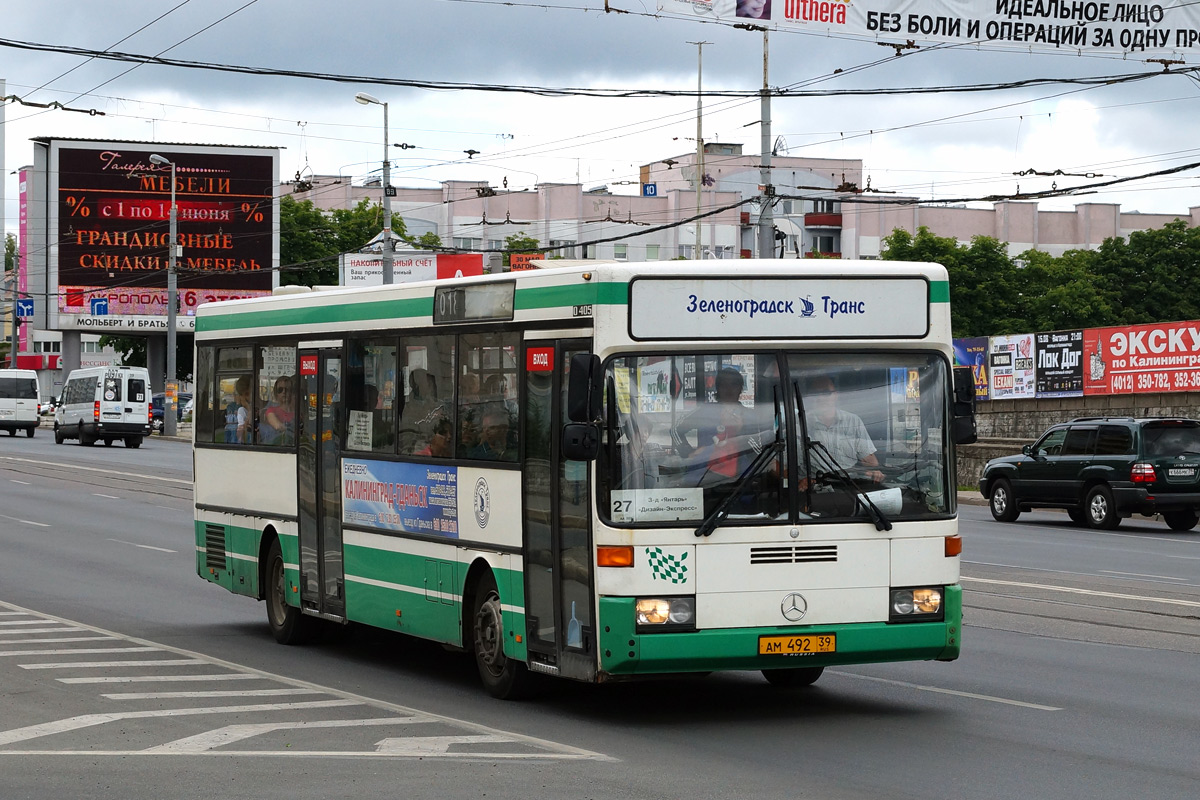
(277, 425)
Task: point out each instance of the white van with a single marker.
(107, 403)
(18, 401)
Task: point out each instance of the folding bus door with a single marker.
(321, 570)
(559, 593)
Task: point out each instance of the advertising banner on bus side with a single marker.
(415, 498)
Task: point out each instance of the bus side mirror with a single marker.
(964, 385)
(583, 389)
(962, 425)
(580, 441)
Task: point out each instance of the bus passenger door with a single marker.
(321, 572)
(559, 596)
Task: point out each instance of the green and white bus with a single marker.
(597, 472)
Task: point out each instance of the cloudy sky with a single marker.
(936, 146)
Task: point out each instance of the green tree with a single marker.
(310, 239)
(10, 252)
(1154, 277)
(519, 243)
(427, 241)
(985, 289)
(1063, 292)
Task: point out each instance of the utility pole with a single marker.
(171, 394)
(766, 221)
(388, 256)
(699, 141)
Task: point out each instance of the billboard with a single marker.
(973, 353)
(1130, 359)
(110, 205)
(1066, 26)
(366, 269)
(1059, 363)
(1011, 367)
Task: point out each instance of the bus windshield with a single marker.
(860, 429)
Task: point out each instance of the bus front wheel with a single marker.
(793, 678)
(502, 676)
(288, 624)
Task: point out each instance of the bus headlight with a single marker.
(665, 613)
(922, 604)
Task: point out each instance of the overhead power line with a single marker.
(548, 91)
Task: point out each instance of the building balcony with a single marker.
(823, 220)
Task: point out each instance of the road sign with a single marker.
(649, 190)
(99, 306)
(24, 309)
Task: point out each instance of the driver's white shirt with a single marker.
(847, 438)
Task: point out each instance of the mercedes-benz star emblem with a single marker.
(794, 607)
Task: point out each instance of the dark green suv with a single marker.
(1101, 469)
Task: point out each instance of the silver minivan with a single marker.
(104, 404)
(18, 401)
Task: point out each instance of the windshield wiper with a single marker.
(882, 523)
(759, 463)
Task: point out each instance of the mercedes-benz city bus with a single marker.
(595, 472)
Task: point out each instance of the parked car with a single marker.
(156, 408)
(47, 406)
(1101, 469)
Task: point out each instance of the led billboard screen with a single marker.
(111, 207)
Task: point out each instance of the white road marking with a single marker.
(213, 693)
(1141, 598)
(12, 622)
(176, 662)
(235, 733)
(24, 521)
(96, 469)
(59, 639)
(230, 676)
(13, 614)
(939, 690)
(90, 651)
(23, 483)
(59, 629)
(549, 750)
(91, 720)
(1142, 575)
(144, 546)
(105, 496)
(424, 746)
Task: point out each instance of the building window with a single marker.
(462, 243)
(785, 206)
(823, 244)
(824, 207)
(495, 244)
(652, 252)
(47, 347)
(562, 248)
(621, 252)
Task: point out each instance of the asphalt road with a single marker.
(1078, 677)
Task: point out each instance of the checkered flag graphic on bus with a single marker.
(666, 566)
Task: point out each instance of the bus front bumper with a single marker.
(625, 652)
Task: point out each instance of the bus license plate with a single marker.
(797, 645)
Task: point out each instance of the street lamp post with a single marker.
(366, 99)
(170, 395)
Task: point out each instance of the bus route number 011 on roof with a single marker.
(482, 302)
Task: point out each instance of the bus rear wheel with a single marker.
(288, 624)
(503, 677)
(793, 678)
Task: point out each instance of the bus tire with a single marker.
(793, 678)
(502, 677)
(288, 624)
(133, 442)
